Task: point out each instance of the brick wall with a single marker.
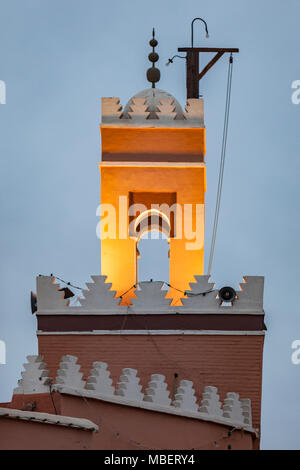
(231, 363)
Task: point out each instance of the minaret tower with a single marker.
(182, 370)
(152, 176)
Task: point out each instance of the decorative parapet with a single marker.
(98, 298)
(128, 385)
(34, 378)
(48, 295)
(185, 398)
(195, 110)
(153, 108)
(68, 373)
(232, 408)
(98, 295)
(138, 111)
(99, 379)
(202, 297)
(111, 109)
(157, 390)
(247, 412)
(166, 109)
(150, 298)
(210, 402)
(234, 412)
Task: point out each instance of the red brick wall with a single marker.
(231, 363)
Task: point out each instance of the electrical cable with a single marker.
(134, 286)
(61, 280)
(50, 387)
(185, 293)
(222, 163)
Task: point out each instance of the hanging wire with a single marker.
(134, 286)
(222, 163)
(170, 61)
(185, 293)
(64, 282)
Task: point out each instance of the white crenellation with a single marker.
(251, 294)
(111, 109)
(249, 298)
(232, 407)
(138, 108)
(34, 378)
(201, 285)
(68, 373)
(185, 396)
(151, 298)
(157, 390)
(48, 295)
(195, 110)
(210, 402)
(128, 385)
(246, 408)
(166, 109)
(98, 296)
(100, 380)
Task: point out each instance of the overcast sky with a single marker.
(58, 58)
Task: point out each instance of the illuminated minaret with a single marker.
(156, 351)
(152, 158)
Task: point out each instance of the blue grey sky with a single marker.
(58, 58)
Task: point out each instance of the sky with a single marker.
(57, 59)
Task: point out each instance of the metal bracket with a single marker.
(193, 76)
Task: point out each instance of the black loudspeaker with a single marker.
(227, 294)
(33, 302)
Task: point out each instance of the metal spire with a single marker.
(153, 74)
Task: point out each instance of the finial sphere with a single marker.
(153, 57)
(153, 75)
(153, 42)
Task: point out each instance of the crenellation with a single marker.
(157, 390)
(128, 385)
(100, 380)
(34, 378)
(111, 110)
(68, 373)
(185, 398)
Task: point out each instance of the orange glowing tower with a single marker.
(152, 175)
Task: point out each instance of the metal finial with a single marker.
(153, 74)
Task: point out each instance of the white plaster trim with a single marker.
(123, 310)
(154, 407)
(186, 165)
(154, 332)
(47, 418)
(154, 124)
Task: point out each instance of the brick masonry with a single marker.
(231, 363)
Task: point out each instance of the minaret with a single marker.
(164, 373)
(152, 175)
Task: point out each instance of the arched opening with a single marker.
(153, 257)
(152, 232)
